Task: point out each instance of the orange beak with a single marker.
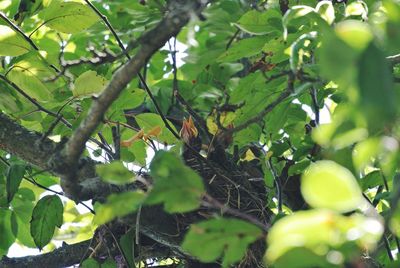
(188, 131)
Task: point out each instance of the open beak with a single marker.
(188, 131)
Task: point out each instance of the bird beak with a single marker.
(188, 130)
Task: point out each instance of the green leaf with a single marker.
(175, 185)
(338, 60)
(328, 185)
(260, 23)
(47, 214)
(358, 8)
(12, 43)
(319, 231)
(88, 84)
(29, 74)
(23, 204)
(365, 151)
(229, 238)
(371, 180)
(68, 17)
(377, 95)
(15, 174)
(127, 244)
(243, 48)
(296, 58)
(115, 173)
(356, 34)
(7, 236)
(294, 13)
(90, 263)
(118, 205)
(148, 121)
(326, 10)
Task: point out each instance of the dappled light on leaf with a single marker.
(328, 185)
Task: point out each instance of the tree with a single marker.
(271, 141)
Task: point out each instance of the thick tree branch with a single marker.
(150, 43)
(29, 146)
(65, 256)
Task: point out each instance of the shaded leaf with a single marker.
(243, 48)
(118, 205)
(259, 23)
(47, 214)
(175, 185)
(229, 238)
(15, 174)
(115, 173)
(7, 237)
(377, 96)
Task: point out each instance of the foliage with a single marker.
(288, 109)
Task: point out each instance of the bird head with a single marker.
(188, 131)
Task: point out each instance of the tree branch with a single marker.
(65, 256)
(150, 43)
(29, 146)
(18, 30)
(395, 59)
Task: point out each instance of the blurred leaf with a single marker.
(243, 48)
(358, 8)
(354, 33)
(175, 185)
(365, 151)
(118, 205)
(115, 173)
(326, 10)
(127, 243)
(377, 96)
(318, 231)
(46, 215)
(328, 185)
(208, 240)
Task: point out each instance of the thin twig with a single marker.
(278, 185)
(210, 201)
(231, 39)
(33, 101)
(109, 26)
(152, 40)
(18, 30)
(258, 118)
(313, 93)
